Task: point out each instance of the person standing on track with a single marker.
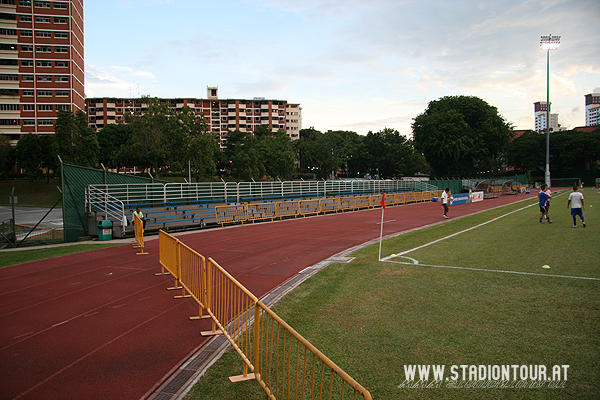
(445, 198)
(543, 199)
(578, 206)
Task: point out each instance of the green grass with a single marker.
(15, 257)
(372, 318)
(30, 192)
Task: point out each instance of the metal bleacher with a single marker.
(180, 206)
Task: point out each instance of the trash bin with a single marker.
(105, 229)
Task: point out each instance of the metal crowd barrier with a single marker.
(139, 233)
(284, 363)
(251, 212)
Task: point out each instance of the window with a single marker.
(29, 107)
(45, 107)
(27, 78)
(9, 107)
(61, 49)
(25, 3)
(8, 47)
(60, 20)
(45, 93)
(29, 122)
(13, 78)
(26, 47)
(43, 19)
(24, 32)
(44, 63)
(61, 5)
(61, 35)
(62, 93)
(11, 2)
(61, 64)
(12, 122)
(5, 61)
(25, 18)
(45, 122)
(44, 78)
(27, 92)
(9, 17)
(8, 32)
(43, 49)
(43, 34)
(27, 63)
(62, 78)
(42, 4)
(62, 107)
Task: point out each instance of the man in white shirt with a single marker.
(445, 195)
(577, 206)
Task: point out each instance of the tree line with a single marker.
(457, 136)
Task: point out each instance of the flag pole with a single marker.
(381, 232)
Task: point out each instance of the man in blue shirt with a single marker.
(544, 199)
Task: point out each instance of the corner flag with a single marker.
(381, 232)
(383, 201)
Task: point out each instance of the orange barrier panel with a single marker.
(287, 209)
(193, 277)
(261, 211)
(138, 227)
(168, 256)
(312, 206)
(363, 201)
(347, 203)
(400, 198)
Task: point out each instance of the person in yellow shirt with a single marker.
(138, 213)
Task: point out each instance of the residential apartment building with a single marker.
(540, 108)
(592, 109)
(41, 64)
(221, 115)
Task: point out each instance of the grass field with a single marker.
(478, 297)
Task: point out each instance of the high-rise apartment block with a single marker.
(41, 64)
(540, 108)
(221, 115)
(592, 109)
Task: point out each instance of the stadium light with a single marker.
(548, 43)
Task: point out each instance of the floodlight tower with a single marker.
(548, 43)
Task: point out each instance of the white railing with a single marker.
(134, 195)
(98, 200)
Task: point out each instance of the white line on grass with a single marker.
(415, 262)
(457, 233)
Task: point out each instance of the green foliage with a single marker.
(75, 142)
(7, 155)
(461, 135)
(112, 140)
(250, 156)
(569, 150)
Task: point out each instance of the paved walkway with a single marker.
(100, 324)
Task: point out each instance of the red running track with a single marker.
(101, 325)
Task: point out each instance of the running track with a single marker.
(101, 325)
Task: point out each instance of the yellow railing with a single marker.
(138, 227)
(284, 363)
(251, 212)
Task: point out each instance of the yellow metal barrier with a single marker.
(287, 366)
(284, 363)
(363, 201)
(330, 204)
(287, 209)
(400, 198)
(231, 214)
(138, 227)
(261, 211)
(409, 197)
(375, 200)
(418, 197)
(347, 203)
(169, 257)
(312, 206)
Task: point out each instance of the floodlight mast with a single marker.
(548, 43)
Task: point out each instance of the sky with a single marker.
(354, 65)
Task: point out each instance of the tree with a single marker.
(150, 133)
(391, 155)
(29, 154)
(112, 139)
(75, 141)
(325, 153)
(277, 154)
(7, 155)
(527, 152)
(461, 135)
